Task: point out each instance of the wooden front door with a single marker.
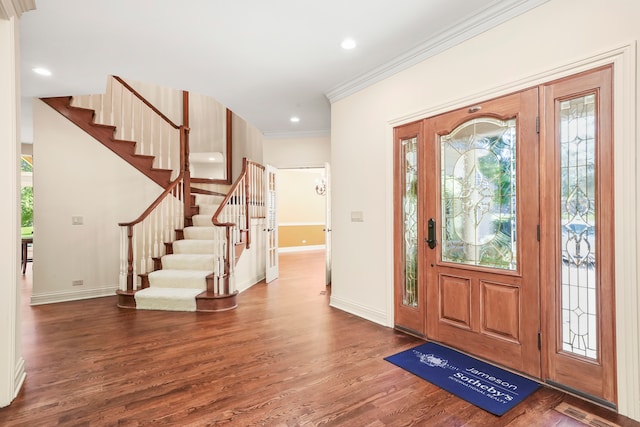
(480, 229)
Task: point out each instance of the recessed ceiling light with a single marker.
(294, 119)
(348, 44)
(41, 71)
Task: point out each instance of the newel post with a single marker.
(184, 154)
(247, 199)
(130, 258)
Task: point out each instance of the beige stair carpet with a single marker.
(184, 273)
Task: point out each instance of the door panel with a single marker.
(455, 301)
(327, 222)
(482, 276)
(409, 291)
(499, 310)
(271, 188)
(577, 235)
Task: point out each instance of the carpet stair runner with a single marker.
(184, 272)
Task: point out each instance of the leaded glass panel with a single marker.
(409, 160)
(578, 223)
(478, 184)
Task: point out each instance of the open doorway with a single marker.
(303, 218)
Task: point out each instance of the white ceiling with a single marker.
(266, 60)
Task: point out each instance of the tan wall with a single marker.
(297, 198)
(300, 235)
(301, 211)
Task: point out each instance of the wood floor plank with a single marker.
(284, 357)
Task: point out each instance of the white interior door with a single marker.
(327, 220)
(272, 224)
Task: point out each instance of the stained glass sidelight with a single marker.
(409, 160)
(578, 221)
(478, 185)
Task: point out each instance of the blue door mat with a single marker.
(486, 386)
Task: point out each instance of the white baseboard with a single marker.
(72, 295)
(301, 248)
(19, 377)
(247, 284)
(374, 316)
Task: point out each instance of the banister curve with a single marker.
(241, 177)
(155, 203)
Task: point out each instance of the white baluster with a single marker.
(157, 226)
(136, 258)
(120, 118)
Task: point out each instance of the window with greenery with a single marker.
(26, 201)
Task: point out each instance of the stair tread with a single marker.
(202, 220)
(193, 246)
(182, 273)
(170, 278)
(208, 210)
(188, 262)
(203, 199)
(168, 291)
(170, 299)
(189, 256)
(199, 233)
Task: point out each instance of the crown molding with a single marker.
(466, 28)
(15, 8)
(299, 134)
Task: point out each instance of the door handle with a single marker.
(431, 233)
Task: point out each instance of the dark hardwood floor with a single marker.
(282, 358)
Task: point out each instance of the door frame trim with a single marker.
(627, 295)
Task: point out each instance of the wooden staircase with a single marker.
(151, 245)
(190, 258)
(84, 118)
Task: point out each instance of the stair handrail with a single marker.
(241, 195)
(145, 101)
(248, 201)
(171, 188)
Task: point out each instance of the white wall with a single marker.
(297, 152)
(11, 363)
(78, 176)
(252, 263)
(246, 142)
(554, 39)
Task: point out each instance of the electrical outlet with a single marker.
(77, 220)
(77, 282)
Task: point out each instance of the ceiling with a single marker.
(267, 60)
